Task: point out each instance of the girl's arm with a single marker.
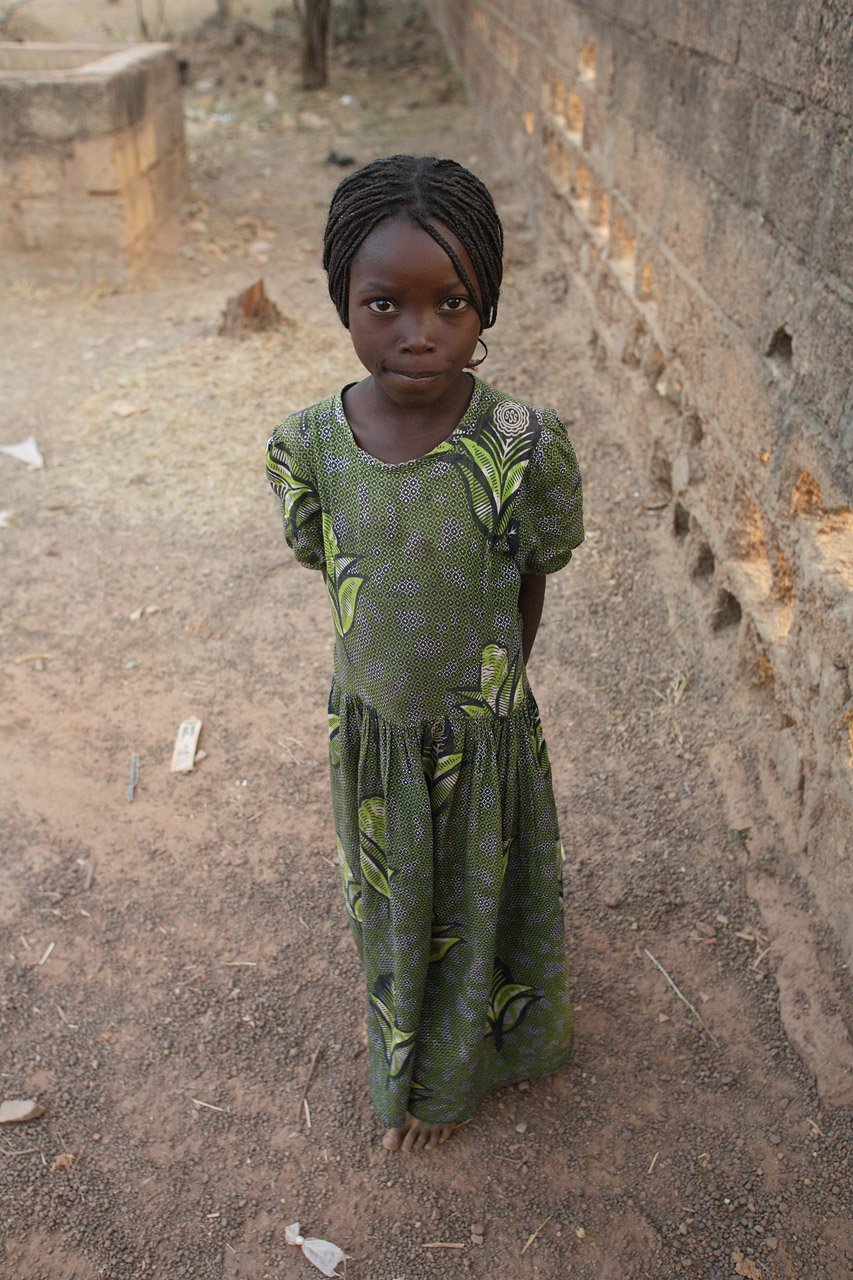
(531, 598)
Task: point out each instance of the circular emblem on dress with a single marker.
(511, 419)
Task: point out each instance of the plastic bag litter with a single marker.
(322, 1253)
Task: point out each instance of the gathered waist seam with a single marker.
(431, 724)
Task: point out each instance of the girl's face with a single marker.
(412, 321)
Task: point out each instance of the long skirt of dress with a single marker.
(452, 870)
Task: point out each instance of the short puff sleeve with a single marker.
(550, 509)
(290, 471)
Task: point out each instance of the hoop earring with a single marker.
(475, 364)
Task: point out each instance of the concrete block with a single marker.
(52, 226)
(685, 216)
(106, 164)
(643, 171)
(529, 16)
(168, 118)
(834, 247)
(12, 98)
(57, 111)
(41, 171)
(778, 39)
(138, 208)
(792, 156)
(749, 404)
(596, 128)
(808, 449)
(822, 362)
(564, 31)
(786, 303)
(636, 73)
(169, 184)
(831, 85)
(737, 266)
(710, 27)
(724, 110)
(678, 88)
(145, 141)
(691, 331)
(11, 231)
(623, 234)
(127, 95)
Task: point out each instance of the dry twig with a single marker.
(304, 1095)
(682, 997)
(530, 1239)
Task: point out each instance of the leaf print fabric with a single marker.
(501, 685)
(371, 825)
(342, 581)
(492, 461)
(447, 833)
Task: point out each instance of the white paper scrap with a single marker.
(27, 451)
(183, 756)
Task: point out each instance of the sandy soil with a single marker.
(172, 965)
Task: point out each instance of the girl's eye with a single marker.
(456, 304)
(381, 306)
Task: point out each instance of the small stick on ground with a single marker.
(442, 1244)
(72, 1025)
(134, 777)
(530, 1239)
(654, 1162)
(209, 1105)
(682, 997)
(304, 1095)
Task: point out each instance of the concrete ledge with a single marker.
(92, 151)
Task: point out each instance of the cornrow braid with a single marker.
(426, 190)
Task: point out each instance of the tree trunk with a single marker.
(358, 17)
(315, 39)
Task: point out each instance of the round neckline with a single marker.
(458, 430)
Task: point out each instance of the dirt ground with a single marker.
(171, 966)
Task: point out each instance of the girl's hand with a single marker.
(531, 598)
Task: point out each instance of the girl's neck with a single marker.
(398, 433)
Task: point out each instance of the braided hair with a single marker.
(425, 190)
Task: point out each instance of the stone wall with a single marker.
(92, 155)
(691, 162)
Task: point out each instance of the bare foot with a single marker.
(416, 1135)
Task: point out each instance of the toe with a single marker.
(408, 1143)
(392, 1140)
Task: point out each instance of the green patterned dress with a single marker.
(444, 812)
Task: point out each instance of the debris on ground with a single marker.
(324, 1255)
(184, 753)
(18, 1110)
(250, 311)
(26, 451)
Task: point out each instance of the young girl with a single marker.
(434, 505)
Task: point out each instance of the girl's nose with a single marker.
(418, 335)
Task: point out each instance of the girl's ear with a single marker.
(475, 364)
